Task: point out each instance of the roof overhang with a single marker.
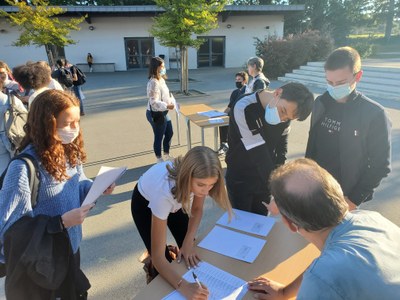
(152, 10)
(93, 11)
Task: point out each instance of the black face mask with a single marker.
(239, 85)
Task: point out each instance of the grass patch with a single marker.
(375, 45)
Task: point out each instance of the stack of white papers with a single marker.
(212, 113)
(222, 285)
(233, 244)
(106, 177)
(215, 121)
(248, 222)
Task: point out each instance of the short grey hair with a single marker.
(256, 61)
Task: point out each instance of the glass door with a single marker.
(138, 52)
(212, 52)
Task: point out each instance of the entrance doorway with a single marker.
(138, 52)
(212, 52)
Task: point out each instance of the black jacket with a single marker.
(364, 145)
(39, 260)
(255, 147)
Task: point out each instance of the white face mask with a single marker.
(340, 91)
(67, 136)
(272, 114)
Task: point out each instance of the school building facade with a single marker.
(118, 37)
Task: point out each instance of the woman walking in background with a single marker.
(160, 101)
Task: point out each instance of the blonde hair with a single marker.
(199, 162)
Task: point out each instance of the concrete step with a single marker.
(382, 82)
(367, 76)
(368, 72)
(366, 89)
(363, 84)
(320, 64)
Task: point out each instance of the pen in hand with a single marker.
(196, 279)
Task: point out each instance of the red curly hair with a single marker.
(41, 132)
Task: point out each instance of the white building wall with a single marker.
(15, 56)
(240, 37)
(106, 41)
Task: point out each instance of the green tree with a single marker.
(385, 11)
(102, 2)
(336, 17)
(39, 27)
(180, 21)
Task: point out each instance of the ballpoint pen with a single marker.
(196, 279)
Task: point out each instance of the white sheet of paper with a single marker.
(215, 121)
(106, 177)
(221, 284)
(233, 244)
(248, 222)
(212, 113)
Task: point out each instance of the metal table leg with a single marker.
(188, 134)
(216, 138)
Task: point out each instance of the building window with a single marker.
(138, 52)
(212, 52)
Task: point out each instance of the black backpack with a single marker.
(33, 175)
(81, 76)
(64, 77)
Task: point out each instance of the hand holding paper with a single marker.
(103, 183)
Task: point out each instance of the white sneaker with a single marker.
(168, 157)
(159, 160)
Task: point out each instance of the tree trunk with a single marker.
(389, 20)
(184, 70)
(50, 55)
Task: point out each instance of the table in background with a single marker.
(190, 112)
(284, 257)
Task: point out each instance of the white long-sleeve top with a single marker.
(158, 94)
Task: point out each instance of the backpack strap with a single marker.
(33, 175)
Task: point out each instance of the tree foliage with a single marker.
(38, 24)
(339, 17)
(181, 21)
(102, 2)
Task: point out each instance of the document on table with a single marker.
(248, 222)
(233, 244)
(221, 284)
(106, 177)
(212, 113)
(215, 121)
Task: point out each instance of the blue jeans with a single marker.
(162, 134)
(78, 94)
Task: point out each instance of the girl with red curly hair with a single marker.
(54, 139)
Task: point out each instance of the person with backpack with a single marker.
(54, 139)
(62, 74)
(4, 142)
(13, 116)
(79, 78)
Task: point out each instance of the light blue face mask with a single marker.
(340, 91)
(272, 114)
(163, 71)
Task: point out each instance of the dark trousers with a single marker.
(245, 195)
(177, 222)
(78, 94)
(223, 134)
(162, 134)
